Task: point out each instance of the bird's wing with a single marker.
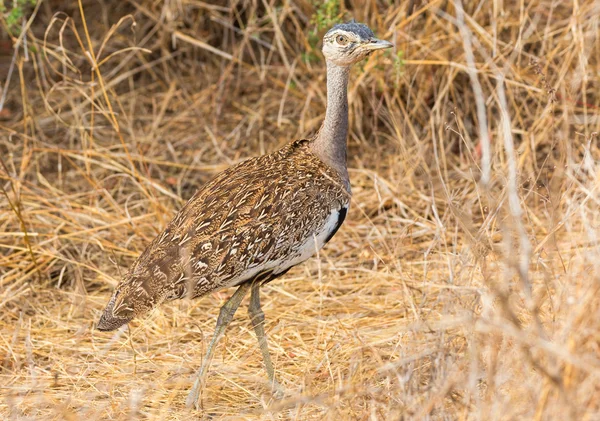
(259, 215)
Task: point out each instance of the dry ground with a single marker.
(460, 287)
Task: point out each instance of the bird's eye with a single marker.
(341, 39)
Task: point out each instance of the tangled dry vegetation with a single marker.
(464, 284)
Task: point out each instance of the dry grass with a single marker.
(444, 296)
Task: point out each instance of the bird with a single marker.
(255, 220)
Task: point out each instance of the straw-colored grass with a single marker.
(463, 285)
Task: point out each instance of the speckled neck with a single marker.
(330, 143)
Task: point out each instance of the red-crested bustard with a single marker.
(254, 221)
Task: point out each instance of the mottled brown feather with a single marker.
(258, 211)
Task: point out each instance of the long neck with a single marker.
(330, 143)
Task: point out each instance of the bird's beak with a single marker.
(377, 44)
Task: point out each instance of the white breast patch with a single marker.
(311, 244)
(301, 253)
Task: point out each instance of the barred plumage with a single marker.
(253, 217)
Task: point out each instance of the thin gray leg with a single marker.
(257, 317)
(225, 315)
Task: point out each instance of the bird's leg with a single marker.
(257, 317)
(225, 316)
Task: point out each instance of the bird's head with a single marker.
(348, 43)
(129, 300)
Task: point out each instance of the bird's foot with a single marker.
(277, 389)
(193, 398)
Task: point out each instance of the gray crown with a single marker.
(360, 29)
